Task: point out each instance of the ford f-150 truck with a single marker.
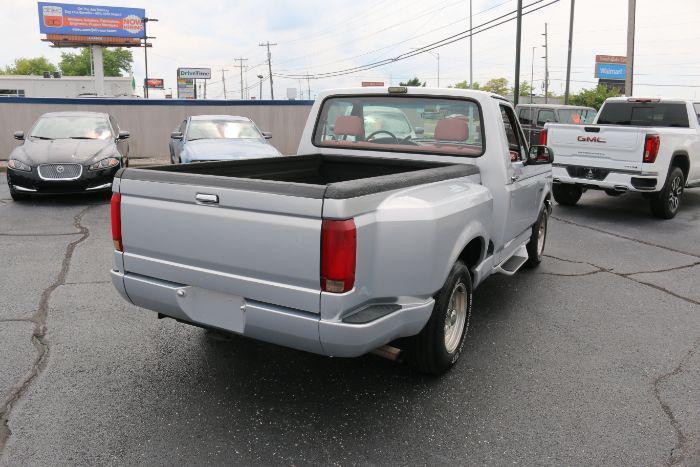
(373, 233)
(650, 146)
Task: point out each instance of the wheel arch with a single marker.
(681, 160)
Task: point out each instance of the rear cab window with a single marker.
(545, 116)
(525, 115)
(637, 113)
(420, 124)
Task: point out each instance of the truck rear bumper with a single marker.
(643, 182)
(272, 323)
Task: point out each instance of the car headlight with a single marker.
(18, 165)
(105, 164)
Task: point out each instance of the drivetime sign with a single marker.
(194, 73)
(91, 20)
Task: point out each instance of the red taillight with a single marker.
(543, 137)
(116, 210)
(651, 148)
(338, 247)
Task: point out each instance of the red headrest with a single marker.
(349, 125)
(451, 129)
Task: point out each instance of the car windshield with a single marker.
(401, 123)
(72, 126)
(577, 116)
(222, 129)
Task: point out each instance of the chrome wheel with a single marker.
(674, 194)
(456, 317)
(542, 234)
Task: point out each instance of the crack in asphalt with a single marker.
(39, 332)
(677, 453)
(625, 237)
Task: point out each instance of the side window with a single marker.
(696, 106)
(515, 140)
(525, 116)
(545, 116)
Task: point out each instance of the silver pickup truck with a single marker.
(400, 202)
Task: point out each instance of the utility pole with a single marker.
(532, 75)
(516, 89)
(145, 53)
(568, 58)
(546, 66)
(260, 77)
(471, 50)
(308, 86)
(205, 88)
(269, 66)
(632, 7)
(241, 66)
(223, 80)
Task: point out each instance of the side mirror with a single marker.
(19, 135)
(124, 135)
(176, 135)
(267, 134)
(540, 155)
(419, 130)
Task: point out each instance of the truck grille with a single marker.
(60, 171)
(590, 173)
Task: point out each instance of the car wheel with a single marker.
(538, 238)
(438, 346)
(16, 195)
(666, 203)
(567, 194)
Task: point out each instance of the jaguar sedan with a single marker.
(218, 138)
(67, 152)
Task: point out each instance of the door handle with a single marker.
(205, 198)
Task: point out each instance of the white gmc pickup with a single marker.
(651, 146)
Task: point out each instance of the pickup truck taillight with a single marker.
(338, 250)
(543, 137)
(651, 148)
(116, 215)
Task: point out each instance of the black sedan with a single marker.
(67, 152)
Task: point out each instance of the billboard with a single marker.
(185, 88)
(153, 83)
(369, 84)
(194, 73)
(611, 67)
(90, 20)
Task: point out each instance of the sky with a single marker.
(321, 36)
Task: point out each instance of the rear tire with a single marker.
(538, 238)
(665, 204)
(567, 194)
(438, 346)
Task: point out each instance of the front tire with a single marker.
(438, 346)
(567, 194)
(666, 203)
(538, 238)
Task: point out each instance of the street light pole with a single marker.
(568, 58)
(632, 6)
(260, 77)
(516, 89)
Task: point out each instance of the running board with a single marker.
(512, 264)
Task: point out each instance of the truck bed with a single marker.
(312, 176)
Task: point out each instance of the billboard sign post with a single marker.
(91, 20)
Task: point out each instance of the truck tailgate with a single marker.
(254, 245)
(612, 147)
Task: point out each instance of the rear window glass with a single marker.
(644, 114)
(545, 116)
(525, 115)
(576, 116)
(402, 124)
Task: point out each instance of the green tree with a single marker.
(496, 86)
(525, 88)
(29, 66)
(413, 82)
(593, 97)
(116, 61)
(465, 85)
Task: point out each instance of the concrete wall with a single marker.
(65, 87)
(151, 121)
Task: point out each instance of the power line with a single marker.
(426, 48)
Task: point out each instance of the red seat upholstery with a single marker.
(349, 125)
(451, 129)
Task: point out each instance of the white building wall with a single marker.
(67, 86)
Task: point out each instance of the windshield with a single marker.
(222, 129)
(577, 116)
(644, 114)
(77, 127)
(406, 124)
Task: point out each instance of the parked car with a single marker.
(533, 117)
(649, 146)
(357, 241)
(67, 152)
(218, 138)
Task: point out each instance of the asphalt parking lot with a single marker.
(591, 359)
